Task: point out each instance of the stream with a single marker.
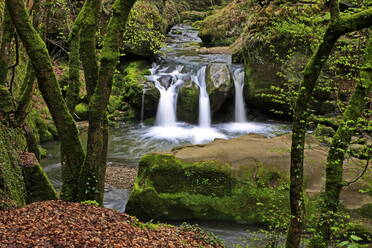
(128, 142)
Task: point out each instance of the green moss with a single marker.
(126, 98)
(144, 34)
(188, 103)
(169, 188)
(192, 16)
(12, 187)
(6, 103)
(38, 186)
(81, 110)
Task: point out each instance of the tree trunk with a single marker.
(7, 36)
(72, 97)
(336, 155)
(88, 28)
(299, 127)
(70, 144)
(337, 27)
(93, 172)
(27, 91)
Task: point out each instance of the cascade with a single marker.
(143, 105)
(204, 104)
(166, 113)
(240, 113)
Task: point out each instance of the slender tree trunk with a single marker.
(336, 155)
(7, 36)
(311, 75)
(49, 87)
(88, 29)
(337, 27)
(94, 168)
(27, 90)
(72, 98)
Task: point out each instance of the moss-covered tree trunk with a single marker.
(72, 97)
(337, 27)
(49, 87)
(7, 33)
(90, 15)
(94, 168)
(336, 155)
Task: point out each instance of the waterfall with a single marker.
(166, 113)
(240, 114)
(143, 104)
(204, 104)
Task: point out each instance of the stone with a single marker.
(219, 85)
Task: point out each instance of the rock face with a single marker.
(219, 85)
(239, 179)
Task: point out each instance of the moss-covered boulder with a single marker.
(224, 25)
(219, 85)
(188, 103)
(192, 16)
(145, 29)
(240, 179)
(22, 179)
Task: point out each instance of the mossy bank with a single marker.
(242, 180)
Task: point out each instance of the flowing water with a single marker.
(179, 63)
(240, 112)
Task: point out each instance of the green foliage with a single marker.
(144, 34)
(126, 98)
(90, 202)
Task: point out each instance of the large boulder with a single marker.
(219, 85)
(239, 180)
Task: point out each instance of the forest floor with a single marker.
(62, 224)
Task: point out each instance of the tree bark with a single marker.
(49, 87)
(93, 171)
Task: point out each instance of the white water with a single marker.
(240, 113)
(166, 113)
(204, 104)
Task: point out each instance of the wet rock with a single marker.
(219, 85)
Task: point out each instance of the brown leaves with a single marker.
(28, 159)
(61, 224)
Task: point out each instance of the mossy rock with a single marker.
(241, 179)
(219, 85)
(145, 29)
(188, 103)
(192, 16)
(169, 188)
